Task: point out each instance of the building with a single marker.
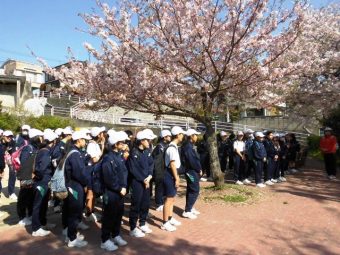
(18, 80)
(51, 83)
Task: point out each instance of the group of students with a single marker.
(118, 162)
(264, 156)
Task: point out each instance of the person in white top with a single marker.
(171, 179)
(95, 150)
(239, 160)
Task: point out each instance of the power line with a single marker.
(17, 53)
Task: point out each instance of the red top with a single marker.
(328, 144)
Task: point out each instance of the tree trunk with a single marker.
(215, 167)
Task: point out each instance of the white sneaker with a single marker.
(49, 226)
(174, 222)
(13, 197)
(189, 215)
(109, 246)
(50, 203)
(239, 183)
(25, 221)
(246, 181)
(82, 226)
(194, 211)
(91, 218)
(160, 208)
(273, 180)
(137, 233)
(283, 179)
(76, 243)
(119, 241)
(145, 228)
(22, 222)
(269, 183)
(260, 185)
(79, 237)
(203, 179)
(41, 232)
(332, 177)
(293, 170)
(57, 209)
(168, 227)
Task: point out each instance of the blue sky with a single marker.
(48, 27)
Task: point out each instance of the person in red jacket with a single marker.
(328, 146)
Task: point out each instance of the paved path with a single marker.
(301, 216)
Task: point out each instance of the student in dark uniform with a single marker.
(10, 148)
(277, 170)
(202, 149)
(114, 174)
(193, 173)
(62, 146)
(76, 181)
(259, 158)
(248, 140)
(42, 176)
(272, 157)
(26, 192)
(223, 150)
(159, 170)
(2, 164)
(141, 174)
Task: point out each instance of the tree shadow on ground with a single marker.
(26, 245)
(313, 184)
(300, 241)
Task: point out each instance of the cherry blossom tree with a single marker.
(185, 58)
(317, 89)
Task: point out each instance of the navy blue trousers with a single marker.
(25, 202)
(276, 169)
(11, 180)
(271, 164)
(193, 189)
(239, 168)
(74, 205)
(140, 203)
(40, 205)
(159, 192)
(258, 171)
(113, 210)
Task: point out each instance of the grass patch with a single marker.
(230, 193)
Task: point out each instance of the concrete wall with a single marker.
(279, 123)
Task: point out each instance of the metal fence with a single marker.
(78, 112)
(66, 96)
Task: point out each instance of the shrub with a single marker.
(13, 122)
(51, 122)
(9, 122)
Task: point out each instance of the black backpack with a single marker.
(158, 155)
(97, 178)
(27, 167)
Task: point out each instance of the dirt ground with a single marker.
(301, 216)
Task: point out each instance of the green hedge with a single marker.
(13, 122)
(314, 147)
(9, 122)
(51, 122)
